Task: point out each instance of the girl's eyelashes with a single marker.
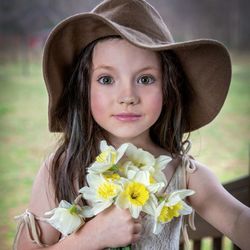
(146, 79)
(105, 80)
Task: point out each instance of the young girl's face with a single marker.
(126, 90)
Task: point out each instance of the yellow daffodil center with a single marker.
(168, 213)
(111, 176)
(103, 156)
(136, 193)
(107, 190)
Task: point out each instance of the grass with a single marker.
(25, 142)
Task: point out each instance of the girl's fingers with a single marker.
(137, 228)
(138, 220)
(136, 237)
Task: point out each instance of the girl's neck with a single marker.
(142, 141)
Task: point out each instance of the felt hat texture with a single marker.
(206, 62)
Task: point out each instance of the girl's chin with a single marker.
(135, 138)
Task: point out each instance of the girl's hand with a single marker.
(114, 227)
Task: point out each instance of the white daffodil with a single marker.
(170, 207)
(67, 218)
(156, 173)
(138, 194)
(139, 158)
(101, 192)
(108, 158)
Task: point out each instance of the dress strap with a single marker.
(30, 221)
(187, 166)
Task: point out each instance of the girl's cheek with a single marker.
(98, 101)
(157, 105)
(155, 98)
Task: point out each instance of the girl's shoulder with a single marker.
(43, 192)
(205, 184)
(198, 174)
(42, 200)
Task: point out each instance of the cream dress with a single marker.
(169, 238)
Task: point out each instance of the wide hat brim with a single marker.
(206, 62)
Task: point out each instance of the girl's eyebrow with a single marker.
(149, 68)
(139, 70)
(103, 67)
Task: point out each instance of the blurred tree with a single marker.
(25, 16)
(188, 19)
(226, 21)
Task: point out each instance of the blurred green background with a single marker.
(25, 141)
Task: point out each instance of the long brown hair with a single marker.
(172, 123)
(81, 135)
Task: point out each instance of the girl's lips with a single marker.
(127, 117)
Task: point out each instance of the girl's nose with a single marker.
(129, 100)
(128, 93)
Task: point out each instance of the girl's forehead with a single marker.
(119, 51)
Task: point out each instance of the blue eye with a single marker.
(146, 79)
(105, 80)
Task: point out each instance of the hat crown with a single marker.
(136, 16)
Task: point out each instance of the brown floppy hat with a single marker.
(206, 62)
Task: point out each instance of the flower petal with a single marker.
(121, 151)
(98, 167)
(121, 201)
(135, 210)
(186, 209)
(158, 227)
(178, 195)
(103, 146)
(94, 180)
(153, 188)
(159, 176)
(100, 206)
(162, 161)
(89, 194)
(131, 174)
(150, 207)
(142, 177)
(64, 221)
(87, 212)
(158, 209)
(140, 157)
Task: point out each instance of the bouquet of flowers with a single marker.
(128, 177)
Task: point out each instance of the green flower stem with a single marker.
(114, 168)
(73, 210)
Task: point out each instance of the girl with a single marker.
(117, 74)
